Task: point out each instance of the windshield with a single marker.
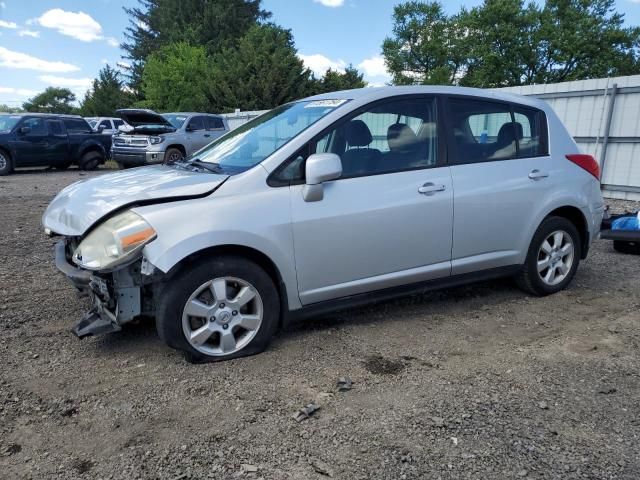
(254, 141)
(175, 120)
(7, 122)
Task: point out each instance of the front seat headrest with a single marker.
(358, 134)
(401, 138)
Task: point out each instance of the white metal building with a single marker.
(603, 116)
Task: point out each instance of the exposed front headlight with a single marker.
(156, 140)
(114, 242)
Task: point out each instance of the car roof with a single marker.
(36, 114)
(188, 114)
(379, 93)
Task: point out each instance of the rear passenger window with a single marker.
(76, 125)
(55, 127)
(532, 127)
(214, 123)
(482, 131)
(117, 123)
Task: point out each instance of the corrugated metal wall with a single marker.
(585, 108)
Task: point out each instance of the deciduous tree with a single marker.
(52, 100)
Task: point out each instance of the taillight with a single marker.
(587, 162)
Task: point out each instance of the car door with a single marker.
(32, 144)
(387, 221)
(500, 169)
(215, 128)
(58, 148)
(196, 133)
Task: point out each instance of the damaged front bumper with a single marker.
(117, 297)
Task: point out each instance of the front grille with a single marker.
(130, 141)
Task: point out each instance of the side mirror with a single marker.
(320, 168)
(24, 130)
(189, 128)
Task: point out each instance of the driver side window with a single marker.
(388, 137)
(36, 125)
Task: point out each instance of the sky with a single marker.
(65, 43)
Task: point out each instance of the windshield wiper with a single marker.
(211, 167)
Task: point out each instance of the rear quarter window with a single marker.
(532, 125)
(76, 125)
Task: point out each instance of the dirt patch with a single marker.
(477, 382)
(383, 366)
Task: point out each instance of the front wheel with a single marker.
(6, 164)
(172, 155)
(219, 309)
(552, 259)
(90, 160)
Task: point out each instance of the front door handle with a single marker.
(537, 174)
(207, 135)
(430, 188)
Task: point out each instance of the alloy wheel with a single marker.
(555, 257)
(222, 316)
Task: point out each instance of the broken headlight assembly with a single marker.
(114, 242)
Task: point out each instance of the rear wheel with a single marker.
(173, 155)
(90, 160)
(6, 164)
(222, 308)
(552, 259)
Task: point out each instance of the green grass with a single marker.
(111, 165)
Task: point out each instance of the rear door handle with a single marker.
(537, 174)
(430, 188)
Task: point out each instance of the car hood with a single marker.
(80, 205)
(140, 116)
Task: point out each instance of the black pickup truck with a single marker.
(47, 140)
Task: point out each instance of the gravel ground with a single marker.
(478, 382)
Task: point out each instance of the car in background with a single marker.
(150, 137)
(330, 202)
(105, 125)
(49, 140)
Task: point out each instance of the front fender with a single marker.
(260, 221)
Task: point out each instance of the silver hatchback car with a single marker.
(328, 202)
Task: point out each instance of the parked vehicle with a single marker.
(105, 125)
(328, 202)
(155, 138)
(39, 140)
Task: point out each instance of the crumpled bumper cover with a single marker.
(99, 319)
(80, 278)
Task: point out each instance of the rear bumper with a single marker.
(135, 158)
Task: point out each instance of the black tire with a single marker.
(91, 160)
(179, 289)
(529, 279)
(172, 155)
(632, 248)
(6, 163)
